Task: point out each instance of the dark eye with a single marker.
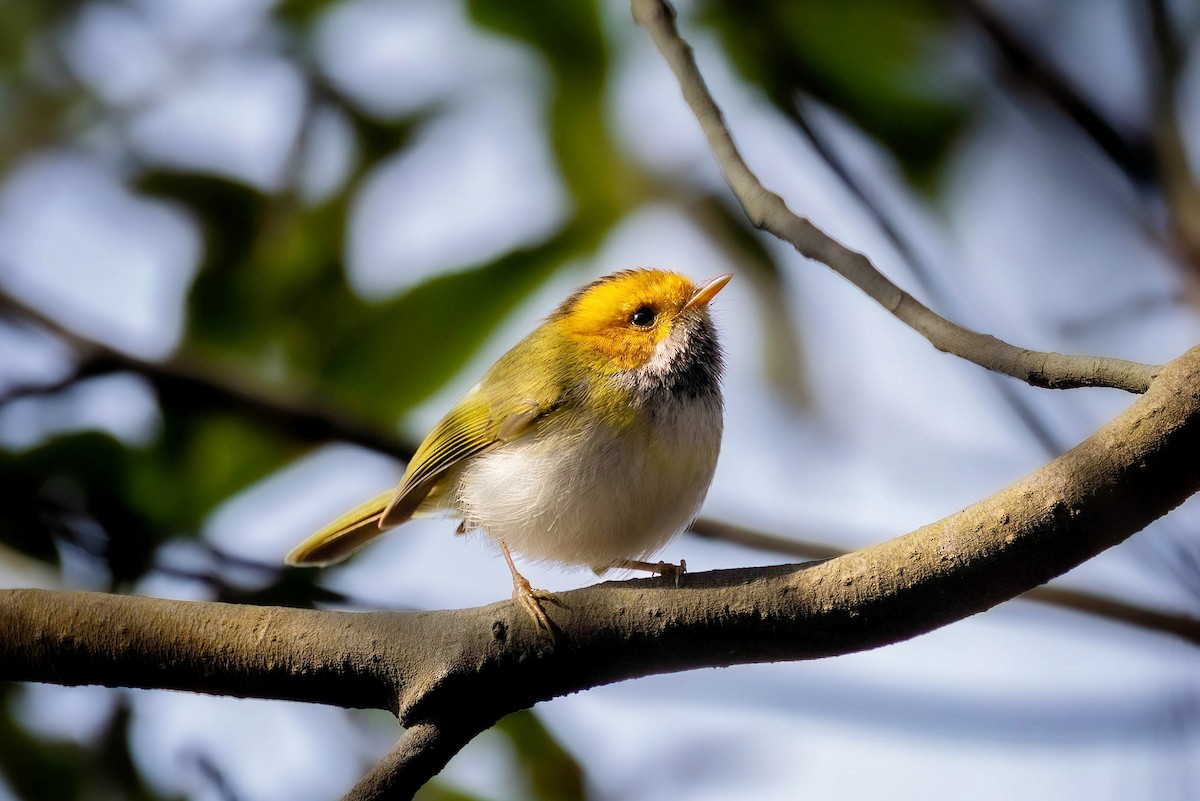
(643, 317)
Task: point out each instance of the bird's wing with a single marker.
(469, 429)
(343, 536)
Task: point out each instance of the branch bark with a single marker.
(1184, 627)
(769, 212)
(474, 665)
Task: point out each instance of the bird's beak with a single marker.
(707, 292)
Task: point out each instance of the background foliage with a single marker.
(271, 333)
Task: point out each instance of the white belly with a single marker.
(594, 500)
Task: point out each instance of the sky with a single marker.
(1029, 234)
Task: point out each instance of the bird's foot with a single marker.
(667, 570)
(531, 601)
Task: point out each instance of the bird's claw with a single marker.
(531, 601)
(672, 572)
(668, 570)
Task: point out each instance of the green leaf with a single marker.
(203, 458)
(400, 352)
(41, 769)
(879, 62)
(552, 772)
(49, 771)
(67, 487)
(570, 38)
(568, 34)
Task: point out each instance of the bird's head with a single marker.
(651, 327)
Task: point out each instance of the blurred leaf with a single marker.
(440, 791)
(35, 768)
(230, 215)
(120, 505)
(113, 772)
(399, 352)
(302, 11)
(63, 770)
(876, 61)
(553, 773)
(271, 268)
(76, 488)
(22, 26)
(377, 138)
(569, 36)
(271, 292)
(203, 458)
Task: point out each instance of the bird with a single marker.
(592, 442)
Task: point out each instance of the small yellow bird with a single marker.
(592, 442)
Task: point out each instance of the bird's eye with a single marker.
(643, 317)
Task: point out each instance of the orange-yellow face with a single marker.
(623, 317)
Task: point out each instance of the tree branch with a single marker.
(920, 269)
(419, 755)
(1180, 190)
(307, 419)
(1185, 627)
(769, 212)
(318, 423)
(430, 667)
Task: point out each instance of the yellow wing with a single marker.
(471, 427)
(343, 536)
(462, 433)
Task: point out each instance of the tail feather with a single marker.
(343, 536)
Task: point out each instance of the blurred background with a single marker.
(250, 250)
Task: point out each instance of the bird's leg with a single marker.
(664, 569)
(529, 598)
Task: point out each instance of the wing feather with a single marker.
(465, 432)
(343, 536)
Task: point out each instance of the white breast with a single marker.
(592, 500)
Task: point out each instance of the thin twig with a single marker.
(1131, 154)
(769, 212)
(921, 271)
(307, 419)
(1180, 191)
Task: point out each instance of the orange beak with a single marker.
(707, 292)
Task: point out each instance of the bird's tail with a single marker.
(343, 536)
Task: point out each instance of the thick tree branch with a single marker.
(428, 667)
(1185, 627)
(769, 212)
